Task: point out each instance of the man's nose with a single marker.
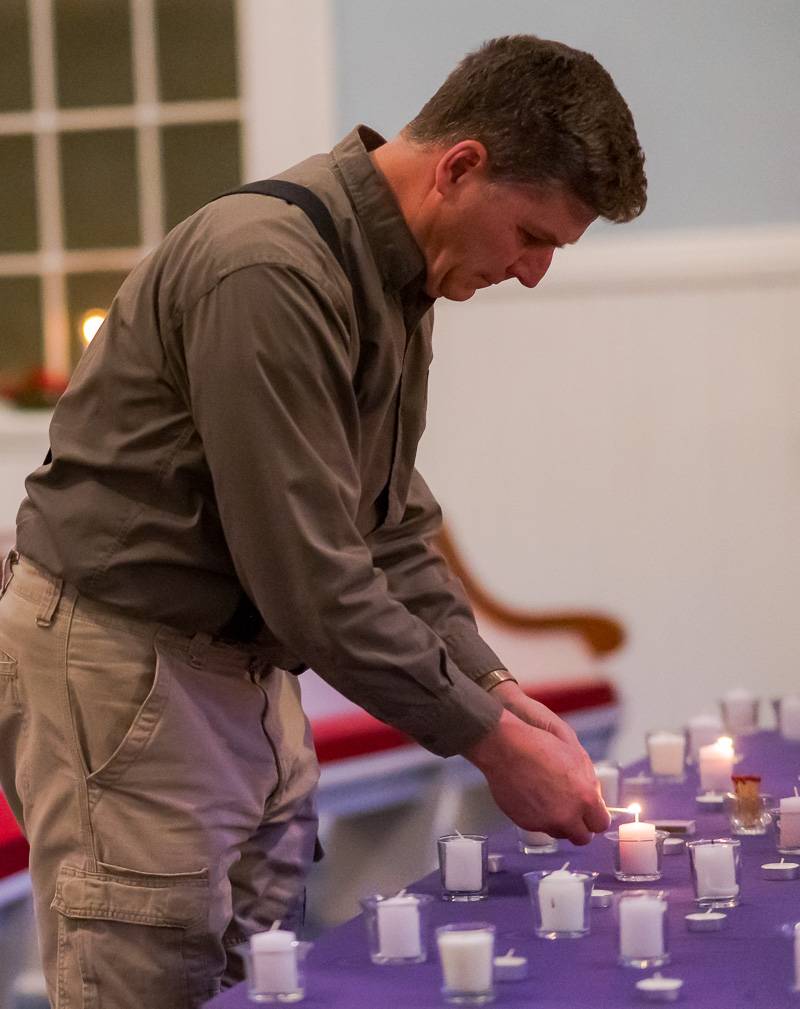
(532, 266)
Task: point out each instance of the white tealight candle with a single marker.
(463, 865)
(660, 989)
(790, 822)
(399, 927)
(715, 868)
(535, 838)
(274, 959)
(667, 751)
(789, 716)
(716, 766)
(780, 870)
(510, 967)
(561, 900)
(637, 849)
(708, 921)
(703, 730)
(466, 957)
(641, 927)
(608, 779)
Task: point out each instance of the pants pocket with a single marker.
(130, 939)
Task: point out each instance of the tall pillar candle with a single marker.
(638, 855)
(740, 710)
(608, 779)
(561, 901)
(399, 927)
(716, 767)
(641, 927)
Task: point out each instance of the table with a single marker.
(748, 964)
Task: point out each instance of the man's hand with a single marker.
(540, 781)
(514, 699)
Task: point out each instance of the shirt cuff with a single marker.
(471, 654)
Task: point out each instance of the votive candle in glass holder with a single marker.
(787, 715)
(397, 927)
(667, 753)
(702, 731)
(466, 955)
(786, 822)
(607, 773)
(274, 967)
(739, 709)
(561, 902)
(715, 764)
(536, 842)
(463, 866)
(748, 814)
(642, 919)
(716, 871)
(638, 852)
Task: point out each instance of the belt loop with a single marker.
(11, 558)
(198, 647)
(44, 617)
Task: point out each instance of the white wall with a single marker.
(628, 437)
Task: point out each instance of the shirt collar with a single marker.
(399, 258)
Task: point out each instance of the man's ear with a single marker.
(458, 163)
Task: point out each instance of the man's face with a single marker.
(487, 232)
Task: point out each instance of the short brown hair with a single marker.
(548, 115)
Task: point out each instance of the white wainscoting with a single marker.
(628, 438)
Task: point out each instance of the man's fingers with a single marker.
(597, 818)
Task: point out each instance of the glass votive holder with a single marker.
(638, 860)
(397, 927)
(536, 842)
(786, 831)
(667, 754)
(466, 955)
(463, 866)
(561, 902)
(748, 815)
(274, 968)
(739, 710)
(642, 921)
(716, 871)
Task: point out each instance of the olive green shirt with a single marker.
(246, 419)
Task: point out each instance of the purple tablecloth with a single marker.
(748, 964)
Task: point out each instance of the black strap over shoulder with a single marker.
(311, 205)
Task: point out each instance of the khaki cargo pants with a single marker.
(165, 784)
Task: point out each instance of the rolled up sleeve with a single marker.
(270, 370)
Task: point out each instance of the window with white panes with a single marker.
(118, 118)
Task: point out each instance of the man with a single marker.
(232, 497)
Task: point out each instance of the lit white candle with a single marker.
(399, 927)
(463, 864)
(638, 855)
(667, 751)
(641, 927)
(274, 961)
(790, 822)
(703, 730)
(466, 957)
(715, 868)
(608, 778)
(789, 716)
(716, 765)
(739, 708)
(561, 901)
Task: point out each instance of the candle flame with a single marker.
(725, 743)
(636, 809)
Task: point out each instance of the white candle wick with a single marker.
(510, 952)
(796, 792)
(563, 867)
(457, 831)
(275, 925)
